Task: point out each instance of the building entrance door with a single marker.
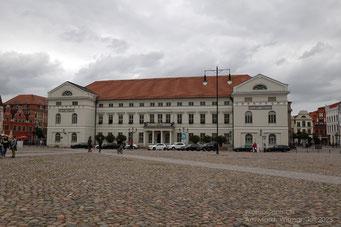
(158, 138)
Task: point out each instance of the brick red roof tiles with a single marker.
(178, 87)
(27, 99)
(334, 105)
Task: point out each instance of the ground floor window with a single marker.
(178, 137)
(150, 138)
(74, 137)
(167, 138)
(248, 139)
(272, 139)
(140, 137)
(57, 137)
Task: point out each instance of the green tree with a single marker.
(207, 139)
(121, 137)
(194, 139)
(38, 132)
(110, 138)
(220, 140)
(99, 135)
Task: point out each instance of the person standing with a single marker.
(119, 146)
(14, 146)
(254, 147)
(264, 147)
(89, 144)
(100, 142)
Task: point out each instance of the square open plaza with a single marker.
(55, 185)
(68, 187)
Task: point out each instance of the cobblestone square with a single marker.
(52, 187)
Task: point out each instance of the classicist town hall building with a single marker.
(161, 110)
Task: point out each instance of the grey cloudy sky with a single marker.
(46, 42)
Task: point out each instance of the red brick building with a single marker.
(23, 114)
(319, 121)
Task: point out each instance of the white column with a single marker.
(153, 137)
(161, 139)
(144, 139)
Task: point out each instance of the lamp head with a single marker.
(205, 80)
(229, 81)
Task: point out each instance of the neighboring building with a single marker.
(319, 124)
(333, 118)
(158, 110)
(23, 114)
(260, 107)
(302, 123)
(1, 116)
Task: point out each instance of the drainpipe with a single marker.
(96, 101)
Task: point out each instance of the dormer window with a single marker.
(259, 87)
(67, 93)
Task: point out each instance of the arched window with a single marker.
(259, 87)
(74, 137)
(58, 118)
(74, 118)
(248, 139)
(272, 139)
(57, 137)
(272, 117)
(248, 117)
(67, 93)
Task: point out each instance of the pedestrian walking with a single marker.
(264, 147)
(100, 142)
(89, 144)
(1, 147)
(41, 143)
(119, 146)
(13, 146)
(254, 147)
(5, 144)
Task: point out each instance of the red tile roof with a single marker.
(178, 87)
(27, 99)
(334, 105)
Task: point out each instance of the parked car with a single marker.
(135, 146)
(158, 146)
(176, 146)
(79, 145)
(107, 146)
(209, 146)
(247, 148)
(193, 147)
(283, 148)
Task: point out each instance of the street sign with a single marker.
(264, 137)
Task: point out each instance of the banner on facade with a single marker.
(260, 107)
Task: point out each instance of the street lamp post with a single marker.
(229, 81)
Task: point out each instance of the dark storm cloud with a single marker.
(319, 47)
(27, 74)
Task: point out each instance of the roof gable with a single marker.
(261, 84)
(71, 89)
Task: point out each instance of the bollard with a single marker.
(329, 151)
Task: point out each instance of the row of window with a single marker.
(74, 118)
(19, 120)
(18, 128)
(270, 99)
(332, 128)
(161, 104)
(303, 124)
(304, 131)
(332, 118)
(271, 117)
(160, 118)
(271, 139)
(74, 103)
(58, 137)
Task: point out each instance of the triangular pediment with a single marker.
(70, 90)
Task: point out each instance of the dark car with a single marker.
(283, 148)
(209, 147)
(193, 147)
(109, 146)
(247, 148)
(79, 145)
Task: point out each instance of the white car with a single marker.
(176, 146)
(158, 146)
(135, 146)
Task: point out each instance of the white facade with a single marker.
(303, 123)
(260, 107)
(71, 115)
(166, 120)
(333, 118)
